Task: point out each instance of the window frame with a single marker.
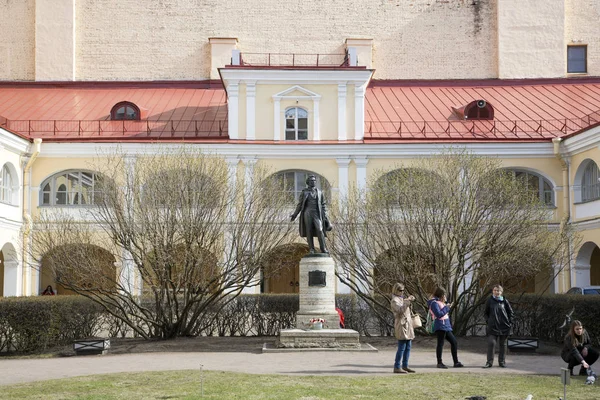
(300, 182)
(296, 119)
(8, 185)
(70, 194)
(584, 47)
(126, 104)
(591, 175)
(541, 180)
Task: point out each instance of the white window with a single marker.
(539, 186)
(576, 59)
(296, 124)
(293, 182)
(590, 186)
(7, 185)
(71, 188)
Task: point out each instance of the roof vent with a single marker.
(477, 109)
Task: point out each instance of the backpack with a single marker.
(429, 325)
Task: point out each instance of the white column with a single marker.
(127, 276)
(342, 90)
(343, 176)
(250, 110)
(359, 112)
(233, 117)
(276, 119)
(249, 163)
(11, 278)
(232, 164)
(316, 121)
(361, 172)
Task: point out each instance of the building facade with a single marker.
(341, 90)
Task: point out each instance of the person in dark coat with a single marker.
(313, 215)
(440, 310)
(577, 349)
(499, 315)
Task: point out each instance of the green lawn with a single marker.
(227, 385)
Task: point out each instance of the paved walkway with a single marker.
(255, 362)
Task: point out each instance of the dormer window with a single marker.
(477, 109)
(296, 124)
(125, 110)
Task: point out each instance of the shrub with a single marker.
(29, 324)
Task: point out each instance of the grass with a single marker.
(193, 384)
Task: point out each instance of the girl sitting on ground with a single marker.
(577, 349)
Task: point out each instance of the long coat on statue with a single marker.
(322, 210)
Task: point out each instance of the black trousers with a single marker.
(449, 336)
(592, 357)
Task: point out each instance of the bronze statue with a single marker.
(313, 215)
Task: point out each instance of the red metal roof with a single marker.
(394, 111)
(76, 111)
(524, 110)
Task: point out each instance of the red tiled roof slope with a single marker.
(82, 111)
(394, 111)
(524, 110)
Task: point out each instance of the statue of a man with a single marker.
(313, 215)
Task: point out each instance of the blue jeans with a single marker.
(403, 353)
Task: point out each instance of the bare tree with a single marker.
(184, 240)
(453, 220)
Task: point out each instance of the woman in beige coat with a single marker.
(403, 328)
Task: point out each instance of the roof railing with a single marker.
(294, 60)
(533, 129)
(216, 128)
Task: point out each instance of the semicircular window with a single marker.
(125, 110)
(590, 182)
(292, 182)
(71, 188)
(539, 186)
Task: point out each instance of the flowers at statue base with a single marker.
(313, 320)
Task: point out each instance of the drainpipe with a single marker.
(27, 220)
(566, 219)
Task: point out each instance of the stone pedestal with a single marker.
(317, 300)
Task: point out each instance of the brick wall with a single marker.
(17, 39)
(168, 39)
(582, 27)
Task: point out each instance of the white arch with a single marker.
(535, 171)
(13, 184)
(12, 273)
(577, 198)
(539, 173)
(582, 264)
(50, 180)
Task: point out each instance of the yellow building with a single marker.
(340, 90)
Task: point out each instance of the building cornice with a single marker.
(582, 142)
(307, 151)
(12, 142)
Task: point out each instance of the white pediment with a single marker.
(297, 92)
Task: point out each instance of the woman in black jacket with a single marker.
(498, 314)
(578, 348)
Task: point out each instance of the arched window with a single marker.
(125, 110)
(539, 186)
(590, 185)
(391, 188)
(293, 182)
(8, 185)
(296, 124)
(71, 188)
